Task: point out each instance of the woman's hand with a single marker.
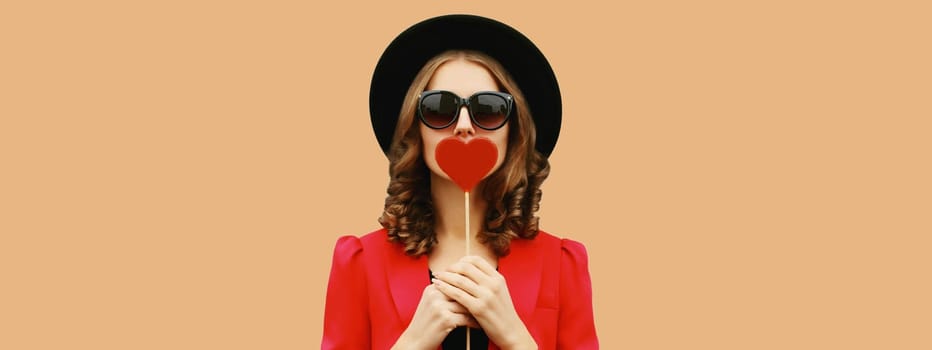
(435, 317)
(473, 282)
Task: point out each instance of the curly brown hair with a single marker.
(512, 191)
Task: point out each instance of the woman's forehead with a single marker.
(462, 77)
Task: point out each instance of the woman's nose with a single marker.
(464, 124)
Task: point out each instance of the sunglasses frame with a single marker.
(460, 102)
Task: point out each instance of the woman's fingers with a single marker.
(457, 294)
(441, 301)
(436, 315)
(470, 270)
(471, 322)
(467, 318)
(481, 263)
(457, 320)
(461, 282)
(457, 308)
(453, 315)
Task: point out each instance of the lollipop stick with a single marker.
(466, 198)
(467, 222)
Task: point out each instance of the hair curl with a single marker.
(512, 191)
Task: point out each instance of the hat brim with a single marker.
(411, 50)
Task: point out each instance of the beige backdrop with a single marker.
(175, 174)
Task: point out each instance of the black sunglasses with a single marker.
(488, 110)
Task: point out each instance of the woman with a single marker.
(409, 285)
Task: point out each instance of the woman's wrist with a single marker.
(520, 340)
(403, 343)
(526, 343)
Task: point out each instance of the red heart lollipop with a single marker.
(466, 163)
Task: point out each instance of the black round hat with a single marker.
(408, 53)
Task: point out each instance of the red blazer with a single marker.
(374, 290)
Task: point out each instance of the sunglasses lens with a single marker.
(438, 110)
(489, 111)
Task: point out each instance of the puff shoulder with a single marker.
(575, 252)
(346, 250)
(577, 323)
(346, 318)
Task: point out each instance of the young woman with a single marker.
(409, 285)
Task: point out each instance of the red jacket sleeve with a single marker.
(346, 314)
(576, 328)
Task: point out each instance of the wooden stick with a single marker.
(468, 238)
(467, 222)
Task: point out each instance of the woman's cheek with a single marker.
(430, 141)
(501, 142)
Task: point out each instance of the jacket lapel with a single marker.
(407, 278)
(522, 269)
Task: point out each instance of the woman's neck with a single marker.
(449, 211)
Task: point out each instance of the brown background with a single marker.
(175, 174)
